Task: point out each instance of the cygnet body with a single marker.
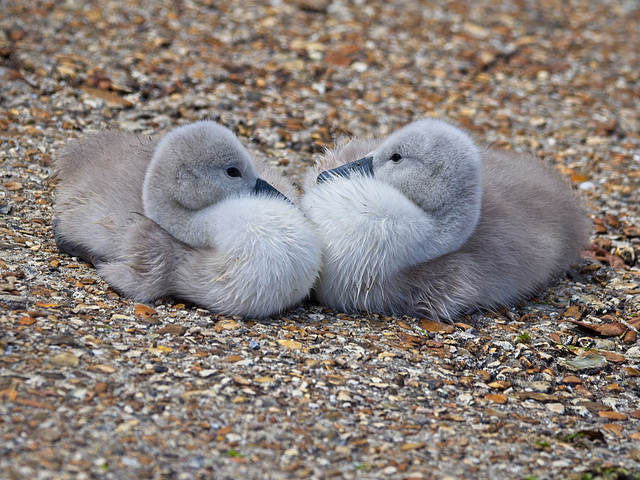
(189, 216)
(426, 223)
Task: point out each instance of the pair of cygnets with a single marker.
(423, 223)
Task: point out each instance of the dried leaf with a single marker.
(144, 311)
(606, 329)
(46, 305)
(172, 329)
(496, 398)
(573, 312)
(226, 325)
(26, 321)
(102, 368)
(612, 356)
(611, 415)
(8, 394)
(435, 326)
(614, 428)
(412, 446)
(290, 344)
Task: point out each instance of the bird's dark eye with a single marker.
(234, 172)
(396, 157)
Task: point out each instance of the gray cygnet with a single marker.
(189, 216)
(427, 223)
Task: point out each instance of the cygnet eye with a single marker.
(396, 157)
(234, 172)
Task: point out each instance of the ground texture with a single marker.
(94, 386)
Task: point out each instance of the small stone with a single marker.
(592, 361)
(556, 408)
(48, 434)
(605, 344)
(65, 360)
(241, 380)
(535, 385)
(633, 354)
(344, 396)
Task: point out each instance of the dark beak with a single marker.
(364, 166)
(264, 188)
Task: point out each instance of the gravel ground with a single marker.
(94, 386)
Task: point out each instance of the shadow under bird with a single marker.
(427, 223)
(191, 216)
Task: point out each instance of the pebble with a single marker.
(592, 361)
(65, 360)
(556, 408)
(633, 354)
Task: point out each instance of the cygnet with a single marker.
(189, 216)
(427, 223)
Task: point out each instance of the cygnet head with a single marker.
(194, 167)
(435, 165)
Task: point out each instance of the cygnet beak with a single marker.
(264, 188)
(364, 166)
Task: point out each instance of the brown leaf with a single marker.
(233, 358)
(573, 312)
(290, 344)
(8, 394)
(411, 340)
(538, 396)
(612, 356)
(555, 337)
(46, 305)
(412, 446)
(605, 329)
(611, 415)
(13, 186)
(102, 368)
(26, 321)
(496, 398)
(634, 322)
(172, 329)
(27, 402)
(571, 379)
(144, 311)
(614, 428)
(632, 231)
(500, 385)
(435, 326)
(226, 325)
(111, 98)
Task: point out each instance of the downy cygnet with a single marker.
(189, 216)
(427, 223)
